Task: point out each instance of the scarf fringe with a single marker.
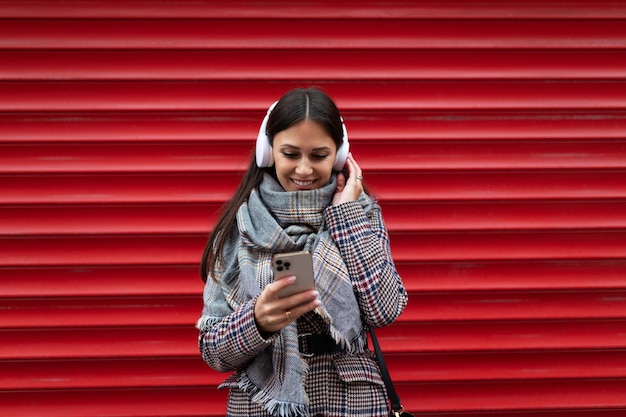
(204, 323)
(282, 409)
(274, 407)
(356, 346)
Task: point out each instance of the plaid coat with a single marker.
(337, 384)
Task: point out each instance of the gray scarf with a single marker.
(273, 221)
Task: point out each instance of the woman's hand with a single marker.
(349, 189)
(272, 313)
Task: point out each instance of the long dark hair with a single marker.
(296, 105)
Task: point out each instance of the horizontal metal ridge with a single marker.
(430, 9)
(503, 366)
(131, 402)
(398, 185)
(402, 337)
(331, 65)
(183, 310)
(516, 305)
(108, 219)
(173, 156)
(478, 367)
(358, 95)
(79, 280)
(107, 373)
(366, 125)
(235, 156)
(104, 342)
(99, 311)
(506, 335)
(407, 247)
(524, 399)
(400, 216)
(102, 280)
(311, 34)
(509, 245)
(503, 215)
(498, 275)
(547, 397)
(241, 9)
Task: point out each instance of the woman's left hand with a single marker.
(349, 189)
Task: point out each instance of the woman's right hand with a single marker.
(272, 313)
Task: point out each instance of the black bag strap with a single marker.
(396, 406)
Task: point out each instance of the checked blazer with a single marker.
(338, 384)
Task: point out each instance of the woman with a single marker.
(304, 354)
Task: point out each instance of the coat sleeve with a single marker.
(229, 343)
(363, 241)
(228, 336)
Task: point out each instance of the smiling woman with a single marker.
(293, 198)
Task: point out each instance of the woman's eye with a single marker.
(320, 157)
(290, 155)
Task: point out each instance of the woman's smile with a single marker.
(303, 184)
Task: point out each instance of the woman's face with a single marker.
(304, 156)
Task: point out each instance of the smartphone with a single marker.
(299, 264)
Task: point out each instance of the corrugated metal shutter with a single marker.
(493, 132)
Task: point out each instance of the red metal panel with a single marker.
(504, 215)
(366, 125)
(131, 402)
(359, 95)
(429, 9)
(99, 280)
(228, 156)
(125, 157)
(126, 342)
(492, 133)
(425, 246)
(108, 219)
(401, 185)
(330, 65)
(105, 372)
(99, 311)
(273, 35)
(532, 274)
(503, 335)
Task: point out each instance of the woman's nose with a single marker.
(304, 167)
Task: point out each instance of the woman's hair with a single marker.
(296, 105)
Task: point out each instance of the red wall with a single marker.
(493, 133)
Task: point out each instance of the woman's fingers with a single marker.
(356, 173)
(272, 313)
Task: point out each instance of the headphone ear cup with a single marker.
(342, 152)
(264, 157)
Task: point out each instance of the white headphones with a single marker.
(264, 157)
